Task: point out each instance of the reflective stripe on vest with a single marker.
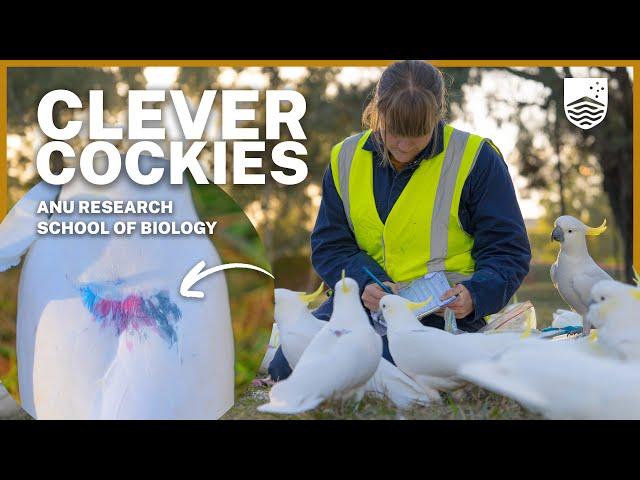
(422, 232)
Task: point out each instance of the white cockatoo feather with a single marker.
(554, 274)
(392, 383)
(18, 229)
(77, 362)
(296, 324)
(431, 356)
(561, 380)
(614, 312)
(337, 363)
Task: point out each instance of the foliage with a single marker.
(27, 85)
(569, 166)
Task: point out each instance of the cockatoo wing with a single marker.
(573, 382)
(492, 376)
(321, 345)
(18, 229)
(582, 283)
(294, 343)
(390, 382)
(554, 274)
(296, 338)
(434, 353)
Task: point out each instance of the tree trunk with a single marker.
(556, 149)
(616, 159)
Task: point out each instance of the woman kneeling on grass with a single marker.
(412, 195)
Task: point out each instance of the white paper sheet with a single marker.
(434, 284)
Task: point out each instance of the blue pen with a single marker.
(375, 279)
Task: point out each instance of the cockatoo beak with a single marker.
(418, 305)
(595, 231)
(557, 235)
(310, 297)
(345, 289)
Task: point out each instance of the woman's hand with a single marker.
(373, 293)
(463, 305)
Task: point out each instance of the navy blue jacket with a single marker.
(488, 211)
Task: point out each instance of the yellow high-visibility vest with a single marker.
(422, 232)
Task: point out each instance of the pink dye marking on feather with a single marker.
(103, 307)
(132, 305)
(134, 312)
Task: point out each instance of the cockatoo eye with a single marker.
(570, 231)
(602, 299)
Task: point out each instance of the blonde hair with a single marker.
(409, 101)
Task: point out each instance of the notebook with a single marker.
(432, 284)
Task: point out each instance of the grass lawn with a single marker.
(470, 403)
(20, 415)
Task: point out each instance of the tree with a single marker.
(571, 149)
(27, 85)
(334, 111)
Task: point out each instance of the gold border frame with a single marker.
(635, 64)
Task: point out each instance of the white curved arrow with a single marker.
(196, 274)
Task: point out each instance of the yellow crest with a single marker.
(345, 289)
(595, 231)
(418, 305)
(310, 297)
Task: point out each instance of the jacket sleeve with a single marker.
(489, 211)
(333, 244)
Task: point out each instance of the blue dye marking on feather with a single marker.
(166, 313)
(88, 297)
(131, 312)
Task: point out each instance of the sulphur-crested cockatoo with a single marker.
(614, 311)
(102, 330)
(561, 380)
(574, 272)
(296, 325)
(431, 356)
(338, 362)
